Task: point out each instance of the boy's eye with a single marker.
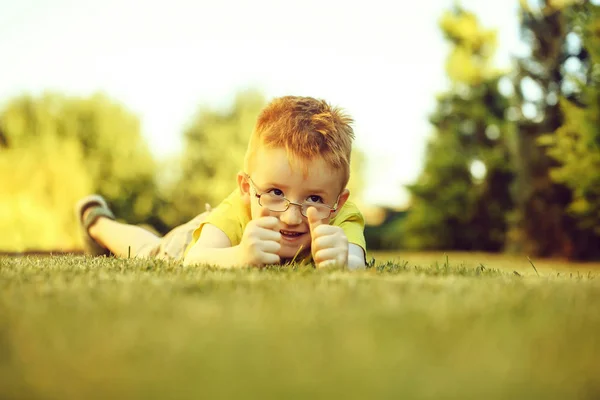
(315, 199)
(275, 192)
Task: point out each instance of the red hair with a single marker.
(306, 128)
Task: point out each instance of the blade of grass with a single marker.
(534, 268)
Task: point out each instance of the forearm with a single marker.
(224, 257)
(355, 262)
(356, 257)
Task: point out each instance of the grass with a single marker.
(449, 326)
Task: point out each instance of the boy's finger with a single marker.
(325, 255)
(269, 234)
(267, 222)
(271, 246)
(270, 259)
(313, 218)
(325, 242)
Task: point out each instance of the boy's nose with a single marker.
(291, 216)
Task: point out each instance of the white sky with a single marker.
(383, 61)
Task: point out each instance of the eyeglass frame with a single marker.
(289, 202)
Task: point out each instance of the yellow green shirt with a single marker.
(232, 216)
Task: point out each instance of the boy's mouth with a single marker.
(290, 235)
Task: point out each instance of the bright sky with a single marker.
(383, 61)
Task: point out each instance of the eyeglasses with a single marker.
(281, 204)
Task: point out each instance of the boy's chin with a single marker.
(291, 252)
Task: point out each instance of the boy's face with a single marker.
(273, 174)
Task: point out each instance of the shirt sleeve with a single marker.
(354, 228)
(227, 218)
(352, 222)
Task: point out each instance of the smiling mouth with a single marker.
(290, 234)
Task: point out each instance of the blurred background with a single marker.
(477, 122)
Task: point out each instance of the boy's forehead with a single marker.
(277, 165)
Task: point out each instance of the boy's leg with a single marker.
(102, 233)
(122, 240)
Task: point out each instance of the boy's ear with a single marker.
(342, 199)
(244, 187)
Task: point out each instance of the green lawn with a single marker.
(438, 327)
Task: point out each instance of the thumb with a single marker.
(313, 218)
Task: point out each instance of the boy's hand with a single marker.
(329, 244)
(260, 244)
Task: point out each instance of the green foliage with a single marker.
(384, 236)
(60, 148)
(540, 147)
(576, 144)
(470, 60)
(452, 207)
(39, 186)
(552, 147)
(537, 226)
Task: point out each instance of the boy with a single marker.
(290, 203)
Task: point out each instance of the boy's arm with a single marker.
(356, 256)
(213, 247)
(259, 246)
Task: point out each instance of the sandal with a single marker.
(100, 209)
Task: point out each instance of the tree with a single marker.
(66, 147)
(3, 140)
(575, 145)
(540, 225)
(39, 186)
(461, 198)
